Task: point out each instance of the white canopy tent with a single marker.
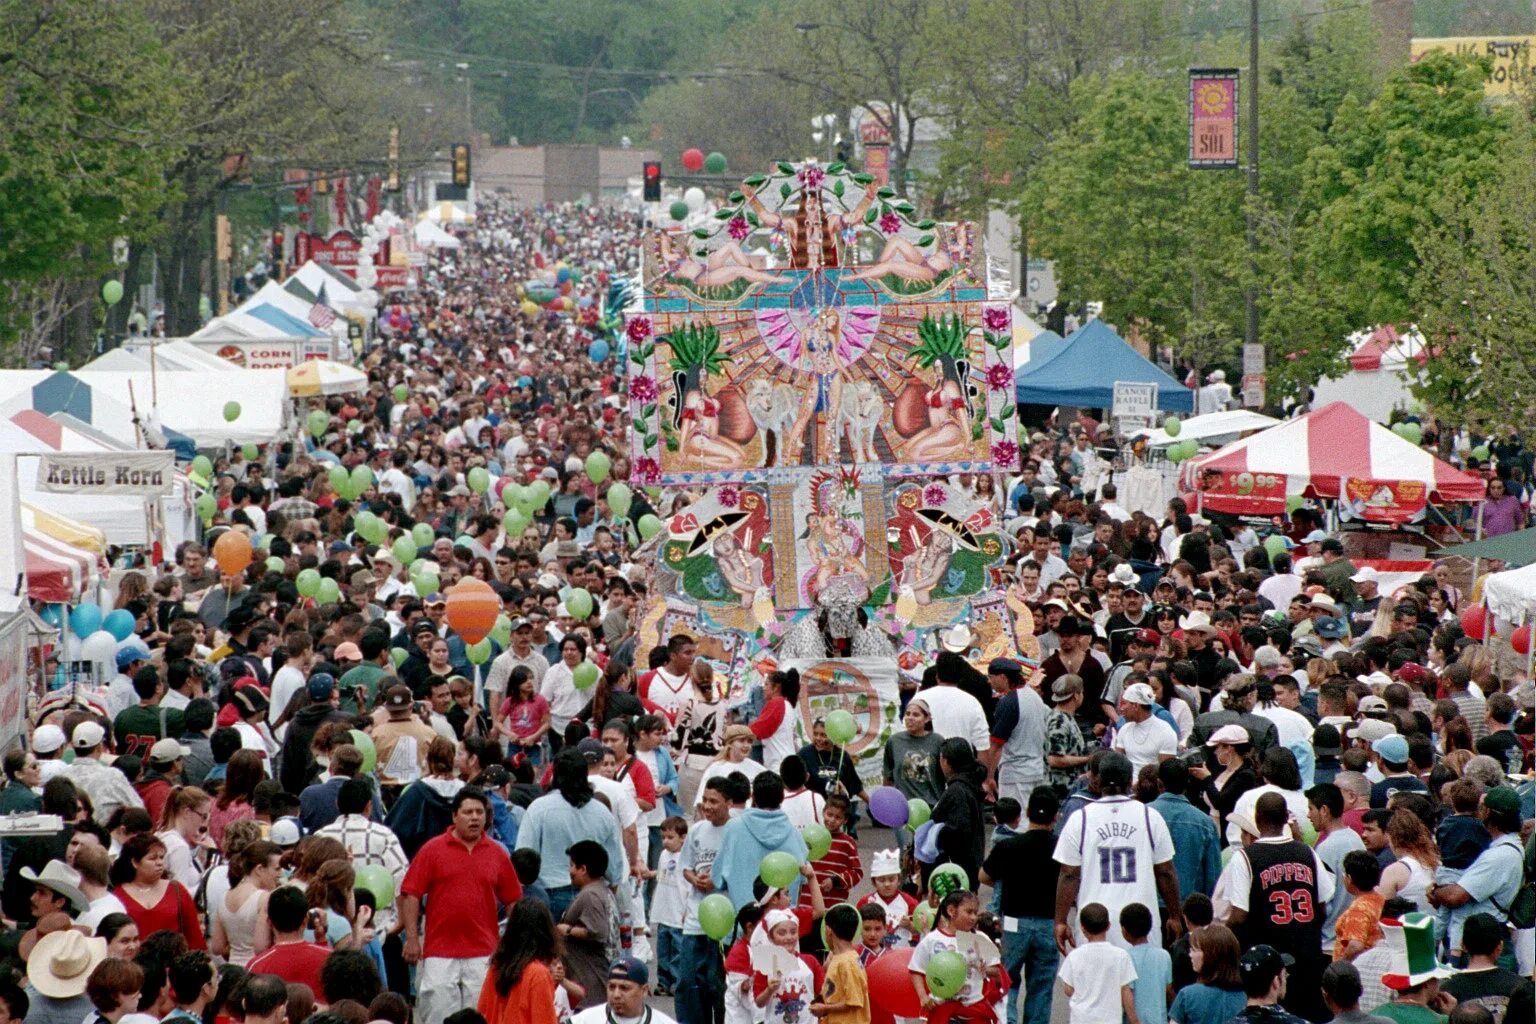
(1382, 365)
(429, 235)
(1213, 428)
(341, 292)
(1511, 595)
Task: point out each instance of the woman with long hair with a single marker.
(154, 901)
(236, 799)
(735, 756)
(958, 812)
(1218, 993)
(557, 820)
(701, 722)
(1412, 874)
(612, 697)
(520, 985)
(911, 757)
(254, 873)
(183, 826)
(774, 726)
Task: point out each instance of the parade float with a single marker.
(821, 367)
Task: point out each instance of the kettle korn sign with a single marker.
(146, 474)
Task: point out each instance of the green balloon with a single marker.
(112, 292)
(501, 632)
(948, 878)
(649, 526)
(579, 603)
(514, 522)
(398, 655)
(946, 974)
(362, 479)
(276, 565)
(715, 163)
(362, 523)
(401, 392)
(231, 411)
(308, 582)
(841, 728)
(1172, 426)
(329, 592)
(817, 839)
(339, 479)
(478, 653)
(464, 540)
(678, 210)
(1480, 453)
(1293, 502)
(539, 490)
(1308, 833)
(918, 813)
(206, 507)
(620, 497)
(422, 534)
(479, 479)
(203, 467)
(318, 421)
(363, 742)
(376, 878)
(584, 676)
(598, 465)
(404, 548)
(717, 916)
(250, 452)
(779, 870)
(1274, 544)
(1413, 433)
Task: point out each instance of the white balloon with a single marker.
(99, 646)
(694, 197)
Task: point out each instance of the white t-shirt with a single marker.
(668, 692)
(1096, 971)
(803, 808)
(1117, 842)
(750, 768)
(1278, 590)
(1145, 742)
(179, 865)
(970, 948)
(1290, 726)
(1295, 802)
(288, 681)
(599, 1015)
(667, 905)
(99, 908)
(957, 713)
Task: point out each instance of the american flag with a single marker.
(320, 314)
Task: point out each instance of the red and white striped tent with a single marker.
(1314, 451)
(57, 571)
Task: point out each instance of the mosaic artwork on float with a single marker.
(825, 365)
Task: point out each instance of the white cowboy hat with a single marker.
(958, 638)
(1196, 622)
(62, 879)
(1125, 574)
(62, 962)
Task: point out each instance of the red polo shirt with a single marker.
(462, 887)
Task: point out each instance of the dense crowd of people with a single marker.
(1233, 785)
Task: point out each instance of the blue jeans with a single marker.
(1031, 951)
(669, 942)
(700, 992)
(560, 899)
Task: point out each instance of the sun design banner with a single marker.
(1213, 118)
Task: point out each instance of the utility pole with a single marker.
(1251, 293)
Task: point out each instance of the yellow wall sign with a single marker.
(1510, 56)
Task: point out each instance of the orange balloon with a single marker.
(472, 609)
(233, 552)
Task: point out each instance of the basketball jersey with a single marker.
(1116, 842)
(1282, 897)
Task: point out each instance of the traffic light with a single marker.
(461, 164)
(651, 172)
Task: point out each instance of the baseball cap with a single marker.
(348, 651)
(1064, 689)
(1502, 800)
(1002, 665)
(339, 546)
(1261, 965)
(1367, 574)
(398, 697)
(1371, 704)
(520, 623)
(1315, 537)
(1325, 740)
(47, 739)
(628, 968)
(591, 749)
(131, 650)
(87, 735)
(1393, 748)
(167, 750)
(363, 578)
(1373, 729)
(1267, 657)
(1139, 693)
(1147, 636)
(1413, 672)
(285, 832)
(434, 599)
(1233, 734)
(321, 685)
(1329, 628)
(251, 700)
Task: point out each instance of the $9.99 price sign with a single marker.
(1243, 493)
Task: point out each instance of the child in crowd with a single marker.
(590, 945)
(954, 931)
(1098, 975)
(1461, 836)
(1006, 812)
(786, 993)
(527, 863)
(739, 1007)
(874, 933)
(1359, 927)
(1217, 994)
(845, 992)
(1198, 913)
(888, 897)
(1153, 965)
(840, 870)
(667, 904)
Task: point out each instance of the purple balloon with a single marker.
(888, 807)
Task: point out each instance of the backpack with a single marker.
(1522, 909)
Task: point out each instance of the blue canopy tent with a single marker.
(283, 321)
(1038, 349)
(1082, 372)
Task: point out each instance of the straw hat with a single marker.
(62, 962)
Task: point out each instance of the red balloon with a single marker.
(1474, 622)
(472, 609)
(890, 984)
(1520, 640)
(693, 159)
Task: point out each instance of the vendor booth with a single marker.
(1082, 372)
(1382, 365)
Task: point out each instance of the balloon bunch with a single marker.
(1411, 431)
(1179, 451)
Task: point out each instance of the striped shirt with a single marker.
(838, 872)
(370, 843)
